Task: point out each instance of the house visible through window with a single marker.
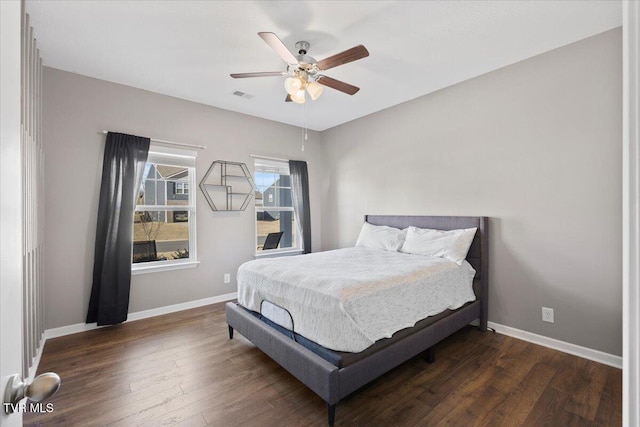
(274, 208)
(164, 219)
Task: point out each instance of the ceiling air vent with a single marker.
(242, 94)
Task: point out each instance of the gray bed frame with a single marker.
(332, 383)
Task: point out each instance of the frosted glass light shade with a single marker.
(292, 85)
(298, 97)
(315, 90)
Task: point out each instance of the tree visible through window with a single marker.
(274, 208)
(164, 219)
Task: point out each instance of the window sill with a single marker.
(274, 253)
(164, 266)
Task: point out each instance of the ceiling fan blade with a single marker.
(338, 85)
(345, 57)
(288, 98)
(261, 74)
(276, 44)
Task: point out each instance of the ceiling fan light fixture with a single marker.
(315, 90)
(292, 85)
(298, 97)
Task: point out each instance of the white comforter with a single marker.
(347, 299)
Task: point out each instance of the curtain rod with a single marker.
(255, 156)
(161, 141)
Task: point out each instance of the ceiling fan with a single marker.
(304, 72)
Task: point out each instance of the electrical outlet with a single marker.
(547, 314)
(227, 279)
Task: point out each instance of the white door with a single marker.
(10, 202)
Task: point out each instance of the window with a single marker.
(165, 216)
(274, 208)
(182, 188)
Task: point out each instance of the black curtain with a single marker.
(300, 197)
(125, 157)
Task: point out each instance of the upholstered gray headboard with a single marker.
(478, 255)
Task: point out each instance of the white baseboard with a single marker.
(576, 350)
(82, 327)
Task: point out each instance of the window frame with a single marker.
(262, 208)
(181, 158)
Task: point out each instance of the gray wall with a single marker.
(76, 108)
(536, 146)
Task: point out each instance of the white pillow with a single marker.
(452, 245)
(381, 237)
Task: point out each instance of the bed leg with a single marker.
(429, 355)
(331, 412)
(230, 332)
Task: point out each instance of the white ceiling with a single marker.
(187, 49)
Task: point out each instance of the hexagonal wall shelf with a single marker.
(227, 186)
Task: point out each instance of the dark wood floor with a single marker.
(181, 369)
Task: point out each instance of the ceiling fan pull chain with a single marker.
(304, 124)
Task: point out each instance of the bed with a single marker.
(333, 375)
